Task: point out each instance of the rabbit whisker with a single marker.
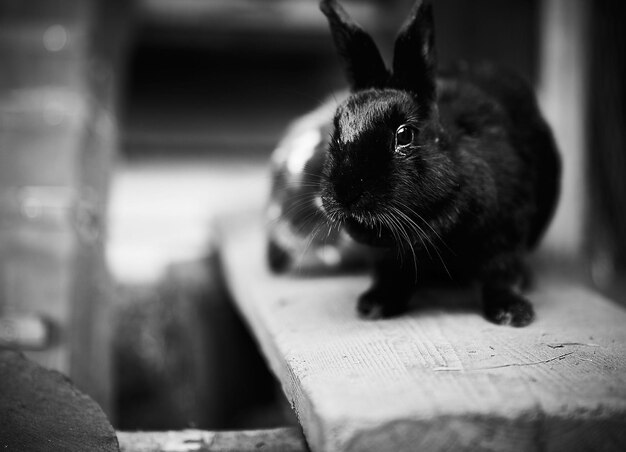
(406, 237)
(423, 220)
(391, 225)
(423, 236)
(312, 237)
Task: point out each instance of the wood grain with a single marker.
(271, 440)
(440, 377)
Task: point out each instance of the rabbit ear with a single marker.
(364, 65)
(414, 58)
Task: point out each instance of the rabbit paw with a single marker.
(278, 258)
(374, 304)
(369, 307)
(505, 307)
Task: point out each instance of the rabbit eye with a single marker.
(405, 135)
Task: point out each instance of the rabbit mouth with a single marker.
(363, 225)
(368, 230)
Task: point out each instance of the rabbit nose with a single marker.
(348, 193)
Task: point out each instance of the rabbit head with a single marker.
(387, 170)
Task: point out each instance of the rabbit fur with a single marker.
(435, 175)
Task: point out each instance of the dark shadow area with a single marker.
(224, 84)
(184, 359)
(216, 100)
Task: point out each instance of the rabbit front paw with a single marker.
(379, 304)
(505, 307)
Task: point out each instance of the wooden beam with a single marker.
(271, 440)
(440, 377)
(606, 142)
(563, 95)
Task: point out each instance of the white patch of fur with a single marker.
(329, 255)
(302, 149)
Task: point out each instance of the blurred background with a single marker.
(128, 127)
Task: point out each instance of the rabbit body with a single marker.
(448, 177)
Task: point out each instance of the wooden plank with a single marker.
(606, 140)
(40, 409)
(440, 377)
(271, 440)
(563, 95)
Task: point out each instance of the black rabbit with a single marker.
(451, 176)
